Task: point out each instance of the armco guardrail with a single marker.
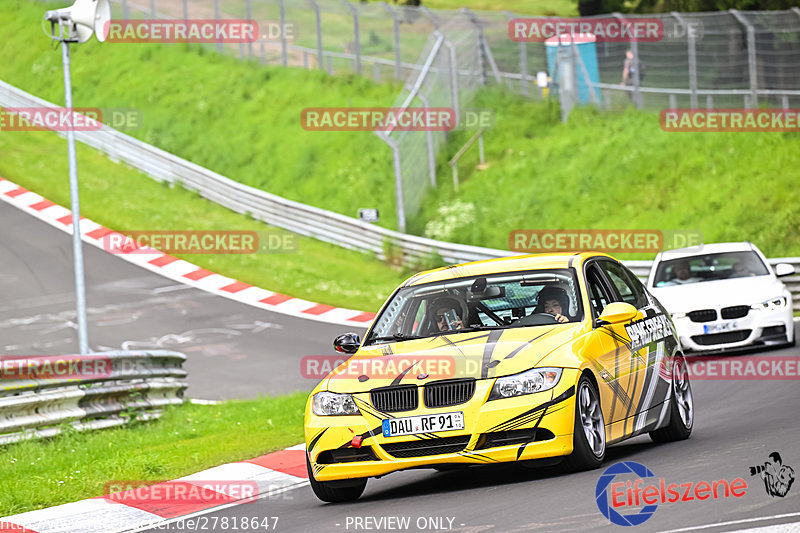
(299, 218)
(120, 386)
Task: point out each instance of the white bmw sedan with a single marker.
(724, 296)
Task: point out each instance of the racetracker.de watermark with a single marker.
(539, 29)
(601, 240)
(200, 242)
(730, 120)
(45, 118)
(428, 366)
(17, 367)
(189, 492)
(757, 367)
(182, 31)
(378, 119)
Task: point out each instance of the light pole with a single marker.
(76, 25)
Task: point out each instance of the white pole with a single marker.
(80, 288)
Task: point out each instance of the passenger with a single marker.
(553, 300)
(447, 314)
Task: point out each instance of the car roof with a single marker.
(703, 249)
(501, 265)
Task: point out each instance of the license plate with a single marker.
(409, 425)
(717, 328)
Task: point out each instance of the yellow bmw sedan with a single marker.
(515, 359)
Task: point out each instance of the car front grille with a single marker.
(736, 311)
(448, 393)
(726, 337)
(515, 436)
(395, 399)
(421, 448)
(703, 315)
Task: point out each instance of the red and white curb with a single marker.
(274, 473)
(178, 269)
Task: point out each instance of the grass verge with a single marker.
(186, 439)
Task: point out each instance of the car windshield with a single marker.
(709, 267)
(493, 301)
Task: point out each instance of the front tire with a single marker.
(681, 412)
(589, 435)
(344, 490)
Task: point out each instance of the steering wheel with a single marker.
(537, 319)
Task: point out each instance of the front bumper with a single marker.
(495, 432)
(758, 328)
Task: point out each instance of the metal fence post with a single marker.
(318, 19)
(398, 182)
(126, 14)
(523, 61)
(284, 49)
(153, 14)
(398, 64)
(709, 102)
(637, 95)
(217, 18)
(751, 54)
(249, 15)
(692, 58)
(186, 9)
(429, 142)
(453, 75)
(356, 34)
(481, 58)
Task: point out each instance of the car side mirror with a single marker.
(784, 269)
(347, 343)
(617, 313)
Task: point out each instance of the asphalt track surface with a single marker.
(737, 425)
(234, 350)
(238, 351)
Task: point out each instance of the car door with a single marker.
(645, 339)
(610, 355)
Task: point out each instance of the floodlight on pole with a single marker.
(76, 24)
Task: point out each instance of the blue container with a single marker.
(586, 48)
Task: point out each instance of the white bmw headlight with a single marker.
(771, 304)
(331, 404)
(528, 382)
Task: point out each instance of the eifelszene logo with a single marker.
(778, 477)
(614, 497)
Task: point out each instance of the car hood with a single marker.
(479, 354)
(722, 293)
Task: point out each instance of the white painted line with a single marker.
(732, 522)
(776, 528)
(96, 515)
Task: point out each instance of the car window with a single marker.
(503, 299)
(630, 290)
(709, 267)
(598, 294)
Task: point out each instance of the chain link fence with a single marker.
(726, 59)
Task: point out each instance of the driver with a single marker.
(444, 307)
(553, 300)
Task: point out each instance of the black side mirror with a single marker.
(347, 343)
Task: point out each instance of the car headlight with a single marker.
(528, 382)
(772, 304)
(331, 403)
(676, 316)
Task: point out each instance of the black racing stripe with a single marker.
(485, 335)
(396, 381)
(558, 399)
(370, 409)
(469, 453)
(526, 344)
(617, 338)
(451, 344)
(528, 419)
(491, 342)
(522, 447)
(316, 439)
